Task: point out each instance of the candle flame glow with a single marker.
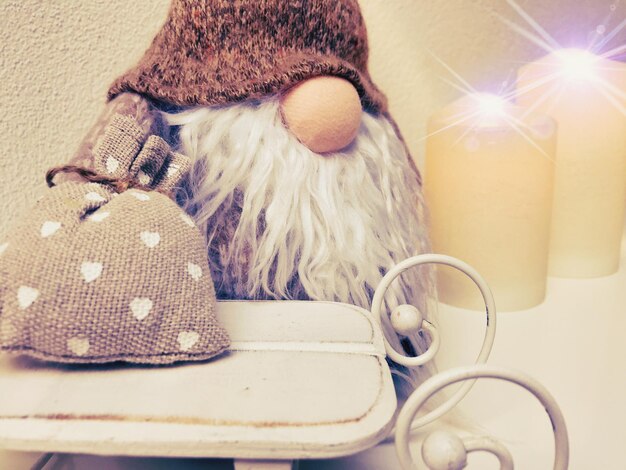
(490, 106)
(577, 64)
(482, 110)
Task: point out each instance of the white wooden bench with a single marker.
(302, 380)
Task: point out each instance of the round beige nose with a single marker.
(324, 113)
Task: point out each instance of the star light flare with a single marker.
(574, 66)
(578, 64)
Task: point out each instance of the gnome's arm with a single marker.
(126, 104)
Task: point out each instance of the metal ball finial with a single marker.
(406, 319)
(443, 450)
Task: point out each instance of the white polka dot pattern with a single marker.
(26, 296)
(140, 196)
(187, 340)
(99, 216)
(112, 165)
(79, 346)
(150, 239)
(144, 178)
(141, 307)
(94, 197)
(173, 169)
(49, 228)
(91, 271)
(194, 271)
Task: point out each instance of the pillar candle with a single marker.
(586, 95)
(488, 184)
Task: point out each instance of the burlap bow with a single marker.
(125, 157)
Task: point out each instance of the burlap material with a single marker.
(125, 151)
(216, 52)
(147, 118)
(92, 276)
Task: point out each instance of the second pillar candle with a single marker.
(489, 184)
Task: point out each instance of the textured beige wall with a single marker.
(58, 57)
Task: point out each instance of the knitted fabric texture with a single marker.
(93, 276)
(215, 52)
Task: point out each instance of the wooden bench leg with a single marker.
(241, 464)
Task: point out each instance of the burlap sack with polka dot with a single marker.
(113, 271)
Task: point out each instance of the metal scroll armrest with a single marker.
(490, 333)
(443, 450)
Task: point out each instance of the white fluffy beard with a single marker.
(283, 222)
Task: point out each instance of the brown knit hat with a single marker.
(215, 52)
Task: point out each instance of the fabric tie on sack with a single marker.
(90, 275)
(124, 151)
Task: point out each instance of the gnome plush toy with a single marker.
(300, 180)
